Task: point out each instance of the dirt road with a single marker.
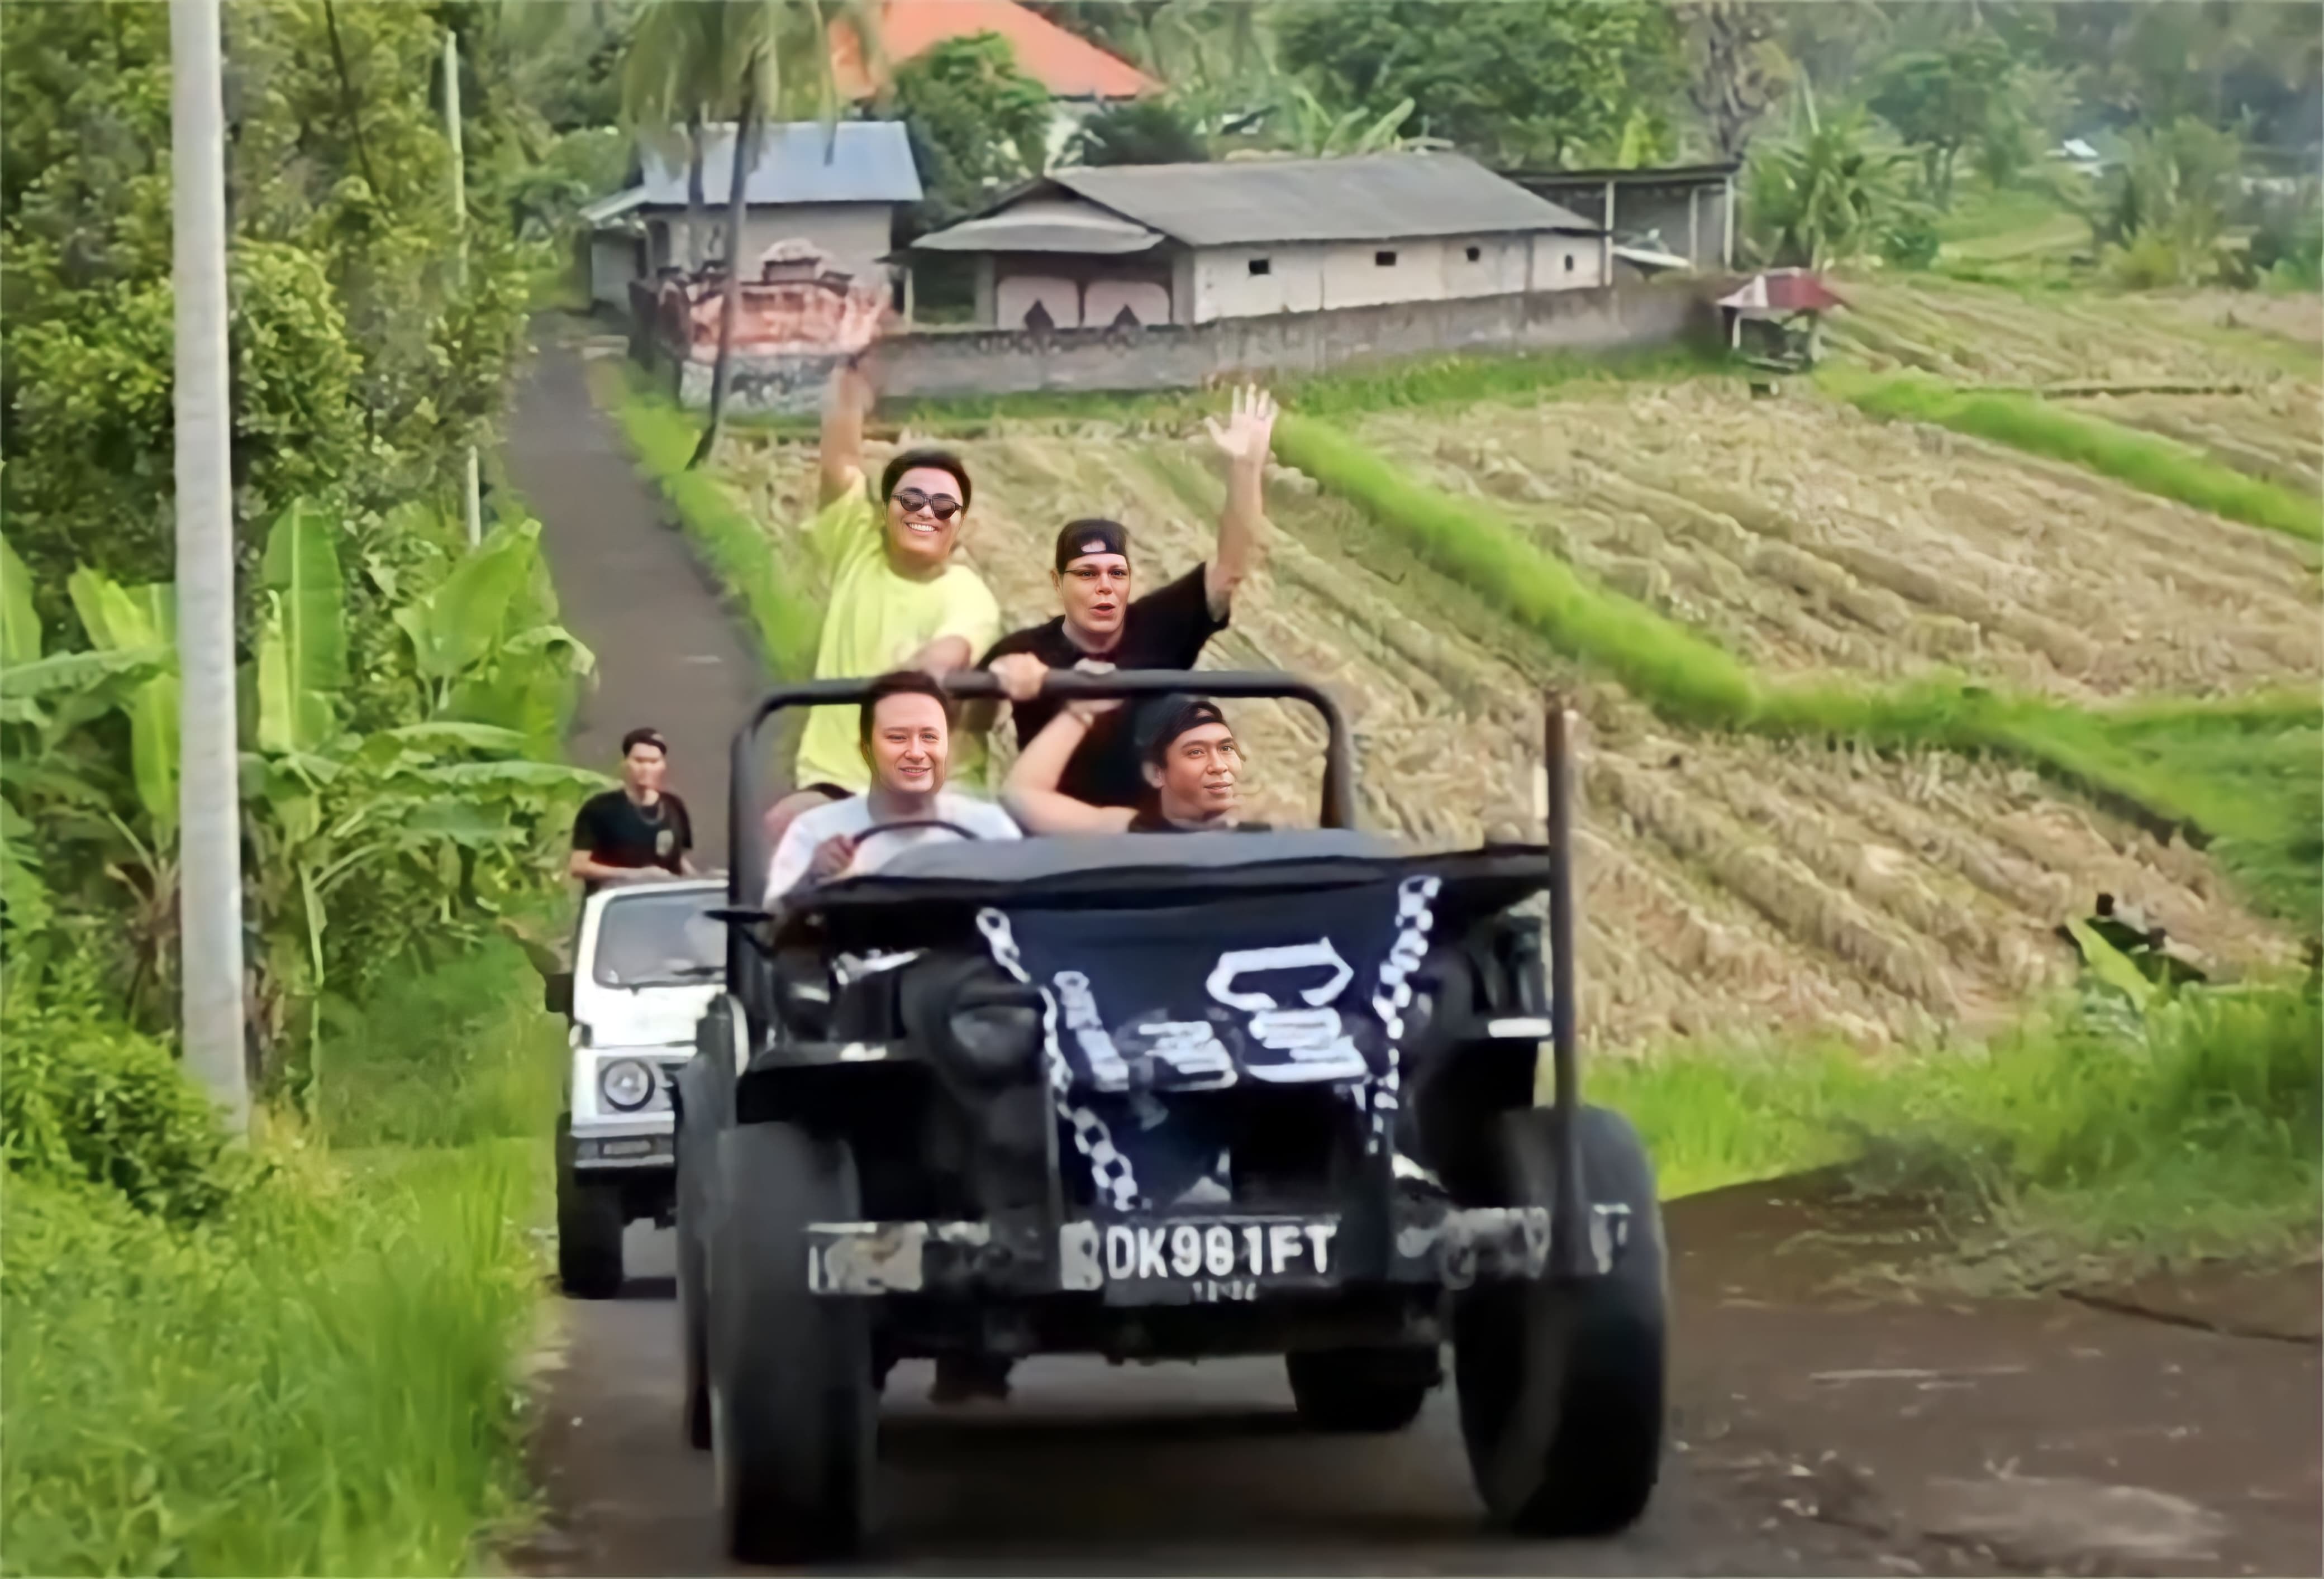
(1812, 1433)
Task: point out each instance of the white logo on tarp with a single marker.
(1315, 1044)
(1191, 1048)
(1108, 1071)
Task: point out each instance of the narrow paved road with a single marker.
(1812, 1435)
(668, 655)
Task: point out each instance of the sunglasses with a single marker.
(941, 506)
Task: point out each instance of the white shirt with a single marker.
(853, 816)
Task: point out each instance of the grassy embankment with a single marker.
(303, 1359)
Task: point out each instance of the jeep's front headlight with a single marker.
(626, 1084)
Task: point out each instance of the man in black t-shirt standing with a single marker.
(1167, 628)
(638, 832)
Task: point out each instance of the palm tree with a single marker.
(752, 40)
(208, 789)
(1826, 195)
(671, 85)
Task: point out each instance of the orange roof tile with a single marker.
(1068, 66)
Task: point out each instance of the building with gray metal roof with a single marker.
(1187, 244)
(836, 187)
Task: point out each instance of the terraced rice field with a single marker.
(1731, 887)
(2260, 358)
(1803, 535)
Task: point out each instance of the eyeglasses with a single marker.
(941, 506)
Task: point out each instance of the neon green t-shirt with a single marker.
(873, 621)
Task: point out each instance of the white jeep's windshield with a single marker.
(650, 939)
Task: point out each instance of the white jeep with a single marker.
(647, 962)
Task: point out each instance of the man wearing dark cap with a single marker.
(639, 830)
(1189, 766)
(1167, 628)
(897, 601)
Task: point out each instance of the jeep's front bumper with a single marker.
(1136, 1260)
(628, 1146)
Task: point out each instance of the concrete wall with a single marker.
(937, 363)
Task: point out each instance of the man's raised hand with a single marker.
(1249, 426)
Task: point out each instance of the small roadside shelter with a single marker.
(1788, 306)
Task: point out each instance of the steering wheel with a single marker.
(879, 828)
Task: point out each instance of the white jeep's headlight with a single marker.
(627, 1084)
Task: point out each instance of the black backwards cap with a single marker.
(637, 737)
(1161, 720)
(1095, 536)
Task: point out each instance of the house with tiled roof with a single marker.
(1070, 66)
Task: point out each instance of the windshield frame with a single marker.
(626, 912)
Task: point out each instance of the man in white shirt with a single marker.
(905, 734)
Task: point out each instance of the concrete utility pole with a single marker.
(474, 500)
(209, 802)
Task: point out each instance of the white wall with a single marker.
(613, 263)
(1310, 277)
(855, 234)
(1015, 295)
(1566, 262)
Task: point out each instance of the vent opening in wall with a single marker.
(1569, 262)
(1472, 253)
(1385, 259)
(1262, 266)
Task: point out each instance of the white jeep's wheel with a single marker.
(1562, 1385)
(793, 1411)
(589, 1224)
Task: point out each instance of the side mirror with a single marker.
(557, 993)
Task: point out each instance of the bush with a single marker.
(90, 1101)
(320, 1379)
(1913, 241)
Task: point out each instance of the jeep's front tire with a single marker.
(793, 1415)
(1361, 1389)
(1562, 1385)
(589, 1224)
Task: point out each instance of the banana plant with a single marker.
(1313, 131)
(430, 812)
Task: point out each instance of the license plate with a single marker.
(1209, 1261)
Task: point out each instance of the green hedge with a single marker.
(2150, 463)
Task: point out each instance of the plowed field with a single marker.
(1732, 887)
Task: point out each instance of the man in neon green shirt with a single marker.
(897, 601)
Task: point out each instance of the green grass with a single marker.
(2083, 1136)
(323, 1377)
(2145, 461)
(744, 558)
(2248, 775)
(454, 1057)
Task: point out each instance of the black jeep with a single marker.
(1162, 1097)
